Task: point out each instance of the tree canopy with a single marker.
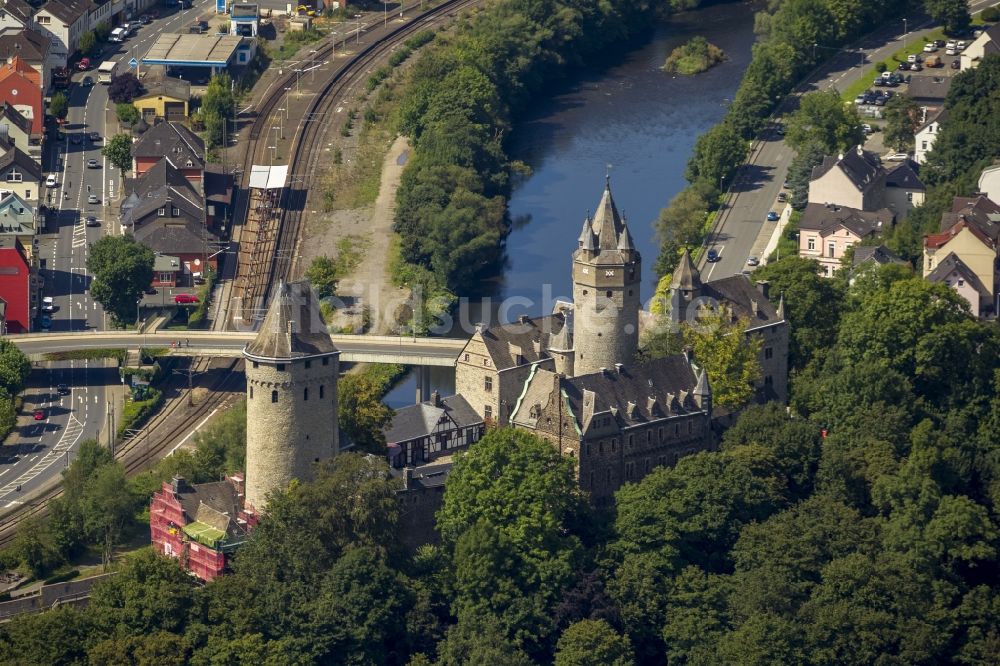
(122, 270)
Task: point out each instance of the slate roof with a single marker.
(952, 264)
(939, 117)
(19, 9)
(162, 186)
(31, 45)
(67, 11)
(432, 475)
(13, 116)
(741, 295)
(166, 86)
(416, 421)
(533, 336)
(218, 185)
(605, 238)
(978, 211)
(293, 327)
(686, 276)
(828, 218)
(177, 235)
(219, 495)
(935, 241)
(656, 388)
(878, 254)
(905, 177)
(28, 166)
(862, 167)
(171, 140)
(932, 88)
(16, 217)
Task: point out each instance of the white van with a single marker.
(119, 35)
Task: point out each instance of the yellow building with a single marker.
(165, 98)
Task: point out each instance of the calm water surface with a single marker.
(626, 113)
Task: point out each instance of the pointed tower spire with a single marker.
(586, 239)
(607, 222)
(625, 242)
(781, 306)
(702, 393)
(686, 276)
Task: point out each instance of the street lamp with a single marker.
(905, 33)
(312, 65)
(273, 152)
(385, 13)
(288, 91)
(358, 33)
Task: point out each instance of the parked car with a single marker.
(896, 157)
(886, 76)
(860, 99)
(913, 57)
(47, 304)
(186, 299)
(93, 164)
(782, 197)
(930, 47)
(960, 45)
(903, 66)
(713, 255)
(951, 50)
(955, 64)
(866, 128)
(62, 389)
(83, 65)
(87, 81)
(916, 67)
(940, 43)
(39, 415)
(51, 181)
(753, 261)
(772, 216)
(93, 199)
(879, 82)
(881, 101)
(145, 19)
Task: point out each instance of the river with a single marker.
(625, 117)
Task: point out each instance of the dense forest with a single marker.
(857, 527)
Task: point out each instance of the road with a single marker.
(741, 230)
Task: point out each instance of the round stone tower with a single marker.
(291, 369)
(606, 277)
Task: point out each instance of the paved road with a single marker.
(742, 230)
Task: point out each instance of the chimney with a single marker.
(179, 485)
(765, 288)
(407, 477)
(861, 152)
(435, 398)
(619, 367)
(589, 398)
(753, 307)
(604, 371)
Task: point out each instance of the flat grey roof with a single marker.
(192, 50)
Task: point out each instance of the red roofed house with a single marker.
(15, 285)
(200, 524)
(21, 87)
(970, 231)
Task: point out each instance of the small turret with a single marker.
(586, 239)
(781, 307)
(703, 392)
(684, 288)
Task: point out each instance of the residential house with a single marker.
(166, 271)
(181, 147)
(970, 230)
(955, 273)
(927, 134)
(620, 423)
(904, 190)
(20, 175)
(166, 98)
(427, 431)
(218, 197)
(21, 221)
(21, 87)
(929, 91)
(15, 130)
(65, 21)
(989, 182)
(825, 232)
(17, 286)
(986, 43)
(201, 525)
(875, 255)
(31, 46)
(854, 179)
(740, 299)
(166, 213)
(15, 16)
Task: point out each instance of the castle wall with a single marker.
(291, 422)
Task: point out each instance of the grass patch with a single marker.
(86, 354)
(295, 40)
(137, 412)
(350, 251)
(697, 56)
(788, 242)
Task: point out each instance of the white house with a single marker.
(904, 190)
(986, 43)
(927, 134)
(989, 182)
(65, 21)
(15, 16)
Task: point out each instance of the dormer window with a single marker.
(162, 212)
(189, 163)
(175, 212)
(14, 176)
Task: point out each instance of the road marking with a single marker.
(70, 435)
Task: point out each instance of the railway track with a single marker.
(306, 147)
(138, 453)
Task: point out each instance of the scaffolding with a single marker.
(259, 239)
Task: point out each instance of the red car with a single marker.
(39, 414)
(185, 299)
(84, 64)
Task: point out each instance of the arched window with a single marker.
(274, 396)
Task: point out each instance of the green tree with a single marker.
(119, 151)
(682, 224)
(58, 636)
(822, 118)
(954, 14)
(88, 43)
(124, 88)
(475, 641)
(729, 355)
(800, 171)
(717, 154)
(322, 274)
(122, 270)
(362, 414)
(218, 104)
(14, 367)
(59, 105)
(128, 115)
(593, 643)
(102, 31)
(109, 508)
(902, 116)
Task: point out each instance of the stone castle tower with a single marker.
(291, 369)
(606, 275)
